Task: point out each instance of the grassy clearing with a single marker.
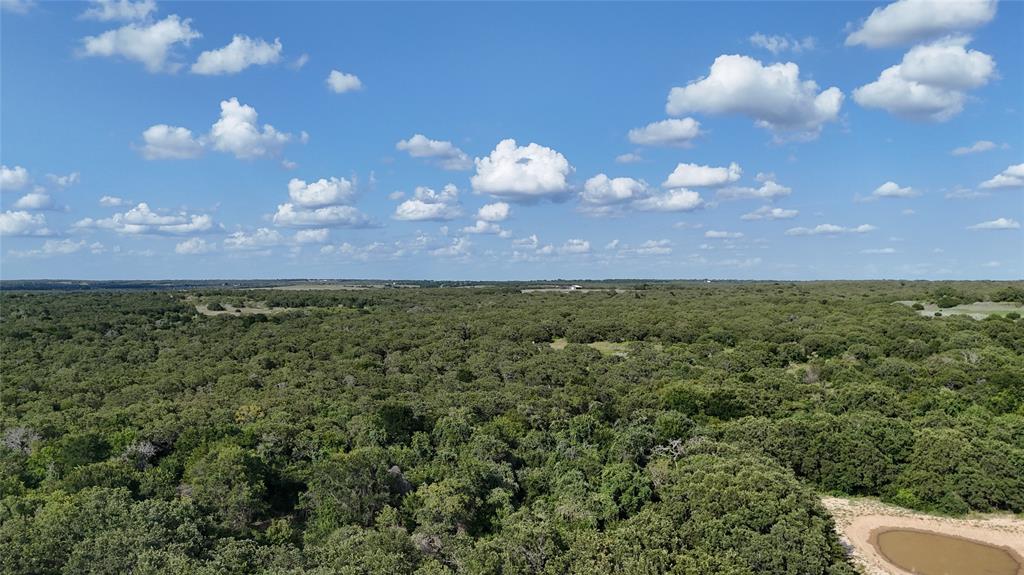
(605, 347)
(250, 308)
(977, 310)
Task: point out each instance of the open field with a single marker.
(858, 519)
(977, 310)
(254, 309)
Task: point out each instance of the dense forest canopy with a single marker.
(438, 430)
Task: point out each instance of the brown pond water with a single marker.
(928, 553)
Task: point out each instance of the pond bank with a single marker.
(857, 519)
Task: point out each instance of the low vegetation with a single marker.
(439, 430)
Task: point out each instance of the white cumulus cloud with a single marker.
(292, 216)
(340, 82)
(522, 172)
(770, 213)
(151, 44)
(142, 219)
(445, 153)
(678, 200)
(122, 10)
(323, 192)
(997, 224)
(894, 190)
(428, 204)
(907, 21)
(697, 176)
(496, 212)
(601, 190)
(931, 82)
(22, 223)
(238, 133)
(774, 96)
(163, 142)
(14, 178)
(672, 132)
(1011, 177)
(241, 53)
(194, 246)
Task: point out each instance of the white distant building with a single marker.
(575, 287)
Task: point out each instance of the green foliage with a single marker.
(437, 430)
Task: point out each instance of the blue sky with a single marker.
(512, 141)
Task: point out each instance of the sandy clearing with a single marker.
(857, 519)
(976, 310)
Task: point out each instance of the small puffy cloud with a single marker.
(291, 216)
(908, 21)
(428, 204)
(340, 82)
(238, 133)
(654, 248)
(241, 53)
(1011, 177)
(997, 224)
(458, 248)
(163, 142)
(722, 235)
(22, 223)
(829, 230)
(673, 132)
(484, 227)
(768, 190)
(14, 178)
(774, 96)
(894, 190)
(770, 213)
(37, 200)
(194, 246)
(323, 192)
(628, 158)
(779, 44)
(121, 10)
(522, 172)
(112, 202)
(975, 148)
(317, 236)
(150, 44)
(57, 248)
(878, 251)
(260, 239)
(931, 82)
(575, 246)
(141, 219)
(65, 181)
(496, 212)
(601, 190)
(445, 153)
(678, 200)
(697, 176)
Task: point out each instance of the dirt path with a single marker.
(856, 519)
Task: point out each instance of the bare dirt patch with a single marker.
(858, 520)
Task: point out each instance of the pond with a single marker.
(928, 553)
